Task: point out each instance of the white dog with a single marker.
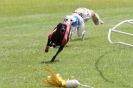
(88, 14)
(78, 19)
(77, 23)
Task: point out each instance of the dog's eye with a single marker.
(71, 20)
(66, 19)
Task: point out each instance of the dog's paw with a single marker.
(46, 49)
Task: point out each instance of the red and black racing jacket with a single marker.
(57, 39)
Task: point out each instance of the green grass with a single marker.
(24, 26)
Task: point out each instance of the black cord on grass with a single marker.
(98, 69)
(101, 73)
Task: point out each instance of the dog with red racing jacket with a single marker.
(59, 37)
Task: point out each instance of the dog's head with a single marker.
(70, 19)
(61, 27)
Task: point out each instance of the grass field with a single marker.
(25, 24)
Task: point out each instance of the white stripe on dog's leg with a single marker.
(70, 36)
(83, 35)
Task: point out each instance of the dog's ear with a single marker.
(63, 28)
(59, 26)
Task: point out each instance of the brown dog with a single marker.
(59, 37)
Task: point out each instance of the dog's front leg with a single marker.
(59, 50)
(46, 48)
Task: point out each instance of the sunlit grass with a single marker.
(24, 26)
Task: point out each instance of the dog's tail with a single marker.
(96, 19)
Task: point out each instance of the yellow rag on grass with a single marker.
(54, 79)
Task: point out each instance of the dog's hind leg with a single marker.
(70, 35)
(83, 35)
(59, 50)
(81, 31)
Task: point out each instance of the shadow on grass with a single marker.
(49, 62)
(77, 39)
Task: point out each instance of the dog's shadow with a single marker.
(49, 62)
(77, 39)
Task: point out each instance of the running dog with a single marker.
(59, 37)
(88, 14)
(77, 23)
(78, 18)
